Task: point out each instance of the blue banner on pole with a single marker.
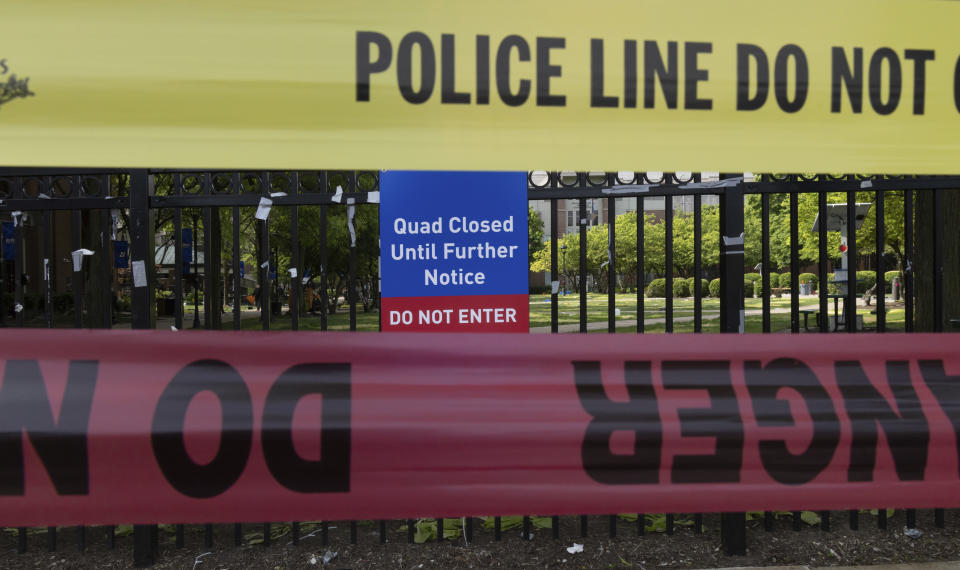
(121, 254)
(9, 241)
(243, 270)
(187, 253)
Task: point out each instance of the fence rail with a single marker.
(56, 212)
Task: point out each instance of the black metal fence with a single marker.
(60, 263)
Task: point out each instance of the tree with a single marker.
(683, 244)
(366, 223)
(569, 263)
(534, 234)
(779, 230)
(626, 251)
(625, 239)
(808, 208)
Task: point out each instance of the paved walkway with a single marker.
(166, 322)
(705, 315)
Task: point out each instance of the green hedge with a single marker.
(715, 288)
(748, 287)
(785, 280)
(681, 288)
(810, 278)
(657, 288)
(704, 286)
(774, 280)
(865, 280)
(758, 288)
(752, 277)
(888, 278)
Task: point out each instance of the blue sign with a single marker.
(458, 239)
(9, 241)
(242, 270)
(187, 251)
(121, 254)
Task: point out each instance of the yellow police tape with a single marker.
(814, 86)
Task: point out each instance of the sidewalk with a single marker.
(706, 316)
(165, 322)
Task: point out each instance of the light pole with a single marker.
(274, 277)
(196, 278)
(563, 273)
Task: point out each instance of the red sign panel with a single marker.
(474, 313)
(152, 426)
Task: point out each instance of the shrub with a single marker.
(865, 280)
(784, 280)
(752, 277)
(747, 287)
(704, 287)
(810, 278)
(657, 288)
(123, 304)
(831, 287)
(540, 289)
(775, 280)
(715, 288)
(681, 288)
(888, 279)
(758, 288)
(63, 302)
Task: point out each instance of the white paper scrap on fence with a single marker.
(78, 258)
(263, 208)
(139, 273)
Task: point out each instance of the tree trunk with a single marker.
(924, 269)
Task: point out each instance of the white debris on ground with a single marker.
(329, 556)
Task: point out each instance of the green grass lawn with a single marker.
(339, 321)
(569, 313)
(568, 309)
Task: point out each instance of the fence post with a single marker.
(142, 248)
(142, 307)
(733, 526)
(731, 259)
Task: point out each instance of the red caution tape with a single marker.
(142, 427)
